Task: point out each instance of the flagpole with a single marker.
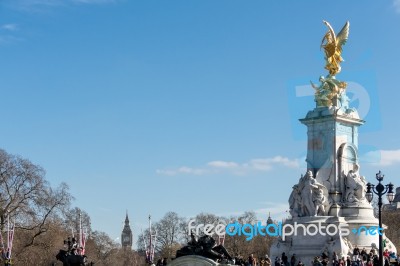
(150, 244)
(80, 232)
(8, 231)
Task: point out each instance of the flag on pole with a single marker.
(82, 237)
(10, 239)
(83, 246)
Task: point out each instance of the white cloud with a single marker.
(267, 163)
(382, 157)
(182, 170)
(9, 27)
(219, 166)
(222, 164)
(396, 5)
(389, 157)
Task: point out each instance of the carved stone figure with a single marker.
(330, 247)
(295, 202)
(308, 187)
(307, 197)
(355, 187)
(319, 201)
(348, 246)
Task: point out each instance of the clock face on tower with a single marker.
(127, 239)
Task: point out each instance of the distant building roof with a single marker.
(395, 204)
(397, 196)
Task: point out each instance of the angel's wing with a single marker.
(330, 40)
(343, 35)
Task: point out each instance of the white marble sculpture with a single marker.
(356, 187)
(307, 197)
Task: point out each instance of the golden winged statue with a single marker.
(332, 45)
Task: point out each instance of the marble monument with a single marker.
(332, 191)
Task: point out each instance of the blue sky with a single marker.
(188, 106)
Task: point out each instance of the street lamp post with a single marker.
(380, 190)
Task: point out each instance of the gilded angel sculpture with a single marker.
(332, 45)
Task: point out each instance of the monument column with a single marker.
(332, 147)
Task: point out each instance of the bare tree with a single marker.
(27, 198)
(207, 218)
(391, 218)
(100, 248)
(239, 246)
(72, 220)
(169, 233)
(184, 228)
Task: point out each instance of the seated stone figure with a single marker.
(355, 187)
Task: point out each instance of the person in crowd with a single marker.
(250, 261)
(262, 261)
(376, 260)
(316, 261)
(386, 263)
(285, 260)
(364, 256)
(356, 253)
(348, 261)
(373, 251)
(363, 251)
(277, 261)
(267, 261)
(335, 259)
(386, 253)
(293, 260)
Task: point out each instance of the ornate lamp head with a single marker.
(369, 195)
(379, 176)
(390, 193)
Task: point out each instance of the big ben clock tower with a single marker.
(126, 235)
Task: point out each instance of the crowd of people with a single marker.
(359, 257)
(252, 261)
